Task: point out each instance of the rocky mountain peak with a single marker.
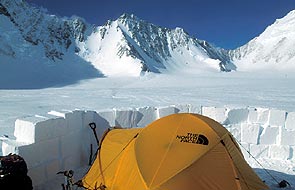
(126, 45)
(128, 17)
(56, 35)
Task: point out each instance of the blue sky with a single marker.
(225, 23)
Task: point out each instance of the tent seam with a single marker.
(171, 141)
(192, 162)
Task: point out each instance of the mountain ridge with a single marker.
(145, 42)
(37, 51)
(127, 46)
(273, 49)
(158, 48)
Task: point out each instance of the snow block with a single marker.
(101, 119)
(269, 135)
(235, 130)
(259, 151)
(24, 130)
(8, 149)
(124, 118)
(292, 157)
(32, 155)
(108, 116)
(71, 148)
(10, 146)
(290, 121)
(280, 152)
(58, 113)
(87, 133)
(277, 117)
(253, 115)
(149, 114)
(245, 148)
(287, 137)
(195, 109)
(237, 116)
(74, 120)
(49, 150)
(164, 111)
(71, 145)
(39, 153)
(52, 168)
(137, 116)
(71, 163)
(263, 115)
(88, 117)
(250, 133)
(183, 108)
(50, 129)
(217, 114)
(93, 117)
(38, 175)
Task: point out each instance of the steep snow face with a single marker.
(130, 46)
(11, 40)
(167, 49)
(195, 55)
(273, 49)
(110, 52)
(55, 35)
(38, 50)
(33, 43)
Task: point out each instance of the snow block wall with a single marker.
(61, 141)
(264, 133)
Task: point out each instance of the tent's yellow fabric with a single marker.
(180, 151)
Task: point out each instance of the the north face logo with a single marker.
(193, 138)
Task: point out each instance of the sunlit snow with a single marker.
(235, 90)
(123, 51)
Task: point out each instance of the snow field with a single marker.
(61, 140)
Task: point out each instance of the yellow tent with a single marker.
(177, 152)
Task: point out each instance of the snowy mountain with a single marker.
(51, 50)
(54, 34)
(271, 50)
(37, 50)
(133, 46)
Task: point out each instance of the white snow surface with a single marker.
(208, 89)
(185, 79)
(102, 53)
(271, 50)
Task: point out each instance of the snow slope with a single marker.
(47, 50)
(37, 50)
(272, 50)
(207, 89)
(34, 57)
(107, 49)
(231, 90)
(130, 46)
